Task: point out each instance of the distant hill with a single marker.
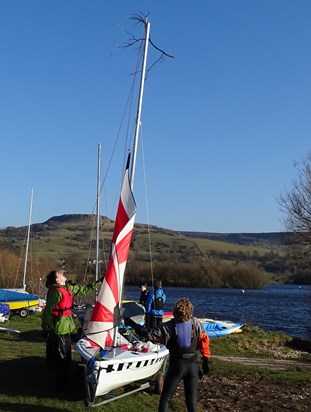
(70, 239)
(82, 220)
(270, 238)
(68, 234)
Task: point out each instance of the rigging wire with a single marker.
(18, 270)
(128, 111)
(147, 207)
(126, 118)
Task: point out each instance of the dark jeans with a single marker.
(58, 358)
(186, 369)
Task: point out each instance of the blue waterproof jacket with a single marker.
(150, 300)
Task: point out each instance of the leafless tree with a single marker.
(296, 206)
(139, 19)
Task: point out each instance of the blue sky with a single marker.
(222, 123)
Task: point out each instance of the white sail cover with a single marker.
(106, 313)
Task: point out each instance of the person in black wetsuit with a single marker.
(183, 336)
(144, 293)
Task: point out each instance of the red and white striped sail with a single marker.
(106, 313)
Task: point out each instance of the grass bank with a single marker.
(27, 386)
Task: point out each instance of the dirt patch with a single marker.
(276, 364)
(251, 392)
(248, 393)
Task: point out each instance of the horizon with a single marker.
(145, 224)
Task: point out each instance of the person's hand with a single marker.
(205, 365)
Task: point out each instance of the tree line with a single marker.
(209, 273)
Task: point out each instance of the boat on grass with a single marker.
(219, 328)
(4, 317)
(112, 357)
(19, 302)
(214, 328)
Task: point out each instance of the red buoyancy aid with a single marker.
(64, 306)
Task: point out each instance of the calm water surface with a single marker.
(285, 308)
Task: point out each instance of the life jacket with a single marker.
(64, 306)
(174, 346)
(158, 301)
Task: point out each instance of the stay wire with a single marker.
(127, 112)
(147, 208)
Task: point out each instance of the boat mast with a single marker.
(98, 213)
(137, 125)
(27, 242)
(140, 101)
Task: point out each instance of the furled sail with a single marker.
(106, 313)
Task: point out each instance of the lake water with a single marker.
(285, 308)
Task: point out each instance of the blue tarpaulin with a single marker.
(12, 296)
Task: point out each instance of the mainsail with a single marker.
(106, 313)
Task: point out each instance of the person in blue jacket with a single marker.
(155, 306)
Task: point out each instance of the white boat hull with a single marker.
(119, 367)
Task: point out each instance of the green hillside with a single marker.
(75, 234)
(69, 241)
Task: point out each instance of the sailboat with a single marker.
(19, 300)
(110, 359)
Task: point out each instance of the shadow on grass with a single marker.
(29, 377)
(36, 336)
(5, 406)
(31, 336)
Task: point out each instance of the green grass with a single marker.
(204, 245)
(252, 342)
(26, 385)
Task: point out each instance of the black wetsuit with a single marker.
(182, 342)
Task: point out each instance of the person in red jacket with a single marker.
(183, 336)
(58, 324)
